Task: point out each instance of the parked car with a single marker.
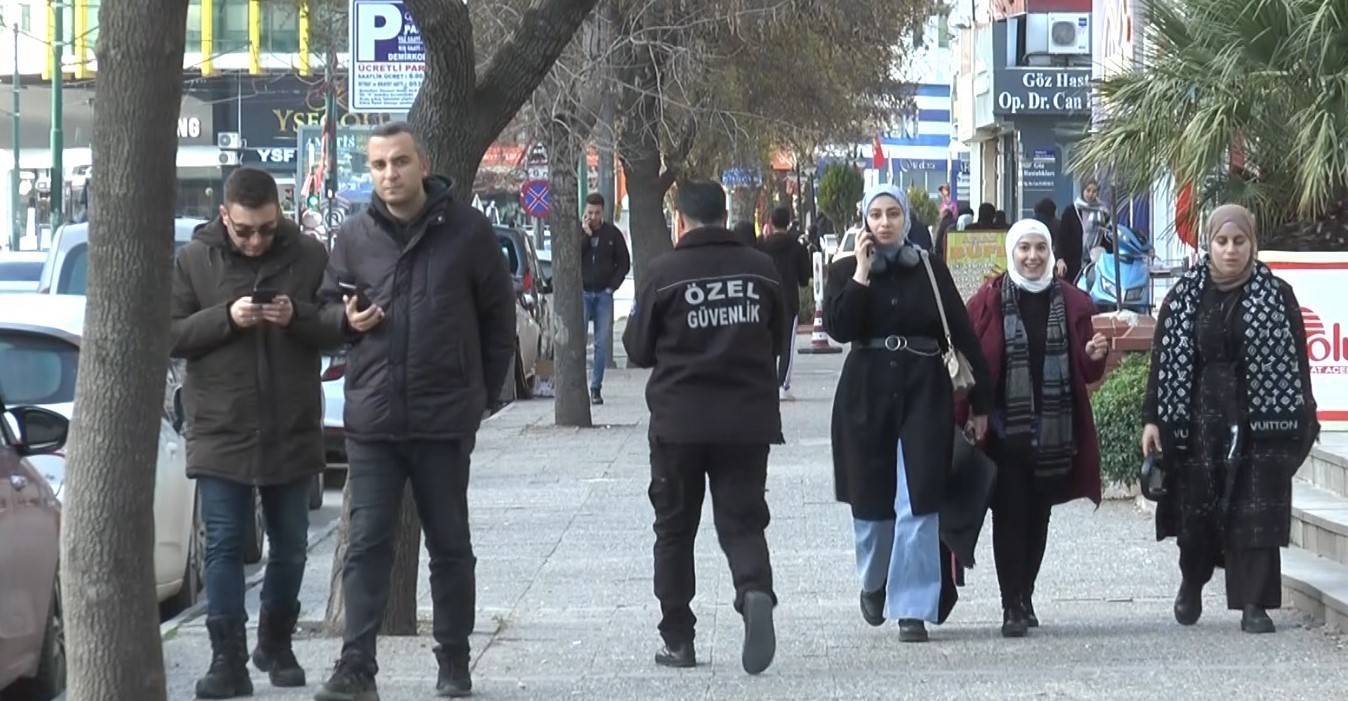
(20, 271)
(32, 639)
(848, 246)
(66, 268)
(533, 337)
(40, 339)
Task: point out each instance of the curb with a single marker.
(191, 613)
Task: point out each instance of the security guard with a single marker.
(710, 320)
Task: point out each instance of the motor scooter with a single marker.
(1128, 267)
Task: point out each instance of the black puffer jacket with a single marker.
(448, 334)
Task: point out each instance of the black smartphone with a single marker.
(264, 296)
(349, 289)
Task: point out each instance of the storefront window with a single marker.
(280, 28)
(193, 26)
(231, 27)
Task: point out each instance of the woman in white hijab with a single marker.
(1037, 336)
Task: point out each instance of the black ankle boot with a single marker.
(873, 607)
(455, 679)
(1256, 620)
(912, 630)
(351, 680)
(680, 655)
(1027, 612)
(1014, 623)
(274, 653)
(1188, 603)
(228, 676)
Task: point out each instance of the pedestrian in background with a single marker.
(419, 283)
(1042, 350)
(794, 272)
(894, 412)
(1230, 412)
(604, 264)
(245, 315)
(710, 324)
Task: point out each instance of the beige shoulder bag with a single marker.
(961, 373)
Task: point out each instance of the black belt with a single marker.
(921, 345)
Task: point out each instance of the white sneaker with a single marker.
(785, 395)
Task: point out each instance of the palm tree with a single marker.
(1247, 99)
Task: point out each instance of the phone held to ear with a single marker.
(350, 289)
(264, 296)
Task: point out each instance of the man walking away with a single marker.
(418, 281)
(794, 271)
(711, 320)
(604, 263)
(246, 318)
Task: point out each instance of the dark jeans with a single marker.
(1020, 516)
(679, 474)
(226, 509)
(438, 471)
(1253, 576)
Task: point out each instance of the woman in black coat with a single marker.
(893, 414)
(1229, 407)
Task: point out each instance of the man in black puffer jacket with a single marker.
(427, 354)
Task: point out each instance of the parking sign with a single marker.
(388, 57)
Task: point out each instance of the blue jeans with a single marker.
(599, 311)
(226, 509)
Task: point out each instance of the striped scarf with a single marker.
(1053, 420)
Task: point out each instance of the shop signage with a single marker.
(1315, 277)
(1041, 91)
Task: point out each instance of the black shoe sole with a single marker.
(241, 691)
(328, 695)
(454, 693)
(760, 636)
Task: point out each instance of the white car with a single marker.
(40, 337)
(848, 246)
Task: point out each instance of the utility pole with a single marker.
(58, 171)
(15, 216)
(330, 136)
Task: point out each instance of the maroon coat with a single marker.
(985, 311)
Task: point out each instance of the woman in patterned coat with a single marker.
(1230, 409)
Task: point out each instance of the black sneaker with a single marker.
(596, 398)
(455, 679)
(677, 655)
(350, 681)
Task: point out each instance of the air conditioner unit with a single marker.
(1058, 34)
(229, 140)
(229, 158)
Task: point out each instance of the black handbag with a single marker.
(1153, 478)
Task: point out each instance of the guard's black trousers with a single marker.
(679, 474)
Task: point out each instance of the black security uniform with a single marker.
(710, 320)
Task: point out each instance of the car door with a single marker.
(29, 549)
(174, 498)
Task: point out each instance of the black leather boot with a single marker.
(912, 630)
(1014, 624)
(455, 679)
(873, 607)
(228, 676)
(1027, 612)
(1188, 603)
(680, 655)
(275, 653)
(1256, 620)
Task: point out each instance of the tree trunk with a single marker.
(743, 205)
(646, 189)
(572, 406)
(400, 613)
(111, 617)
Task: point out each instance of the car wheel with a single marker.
(195, 569)
(50, 681)
(255, 532)
(524, 389)
(316, 492)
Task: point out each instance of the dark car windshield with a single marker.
(36, 369)
(75, 271)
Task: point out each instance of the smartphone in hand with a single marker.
(351, 289)
(264, 295)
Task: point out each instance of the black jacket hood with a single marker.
(439, 192)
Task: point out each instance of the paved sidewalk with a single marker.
(562, 530)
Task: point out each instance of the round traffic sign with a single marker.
(535, 198)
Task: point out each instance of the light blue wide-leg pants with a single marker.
(903, 556)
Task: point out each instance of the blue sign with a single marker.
(741, 177)
(388, 58)
(536, 198)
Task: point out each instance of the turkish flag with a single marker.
(1186, 216)
(878, 158)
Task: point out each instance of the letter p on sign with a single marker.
(375, 22)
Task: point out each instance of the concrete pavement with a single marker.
(562, 532)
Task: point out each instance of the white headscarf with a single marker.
(1023, 229)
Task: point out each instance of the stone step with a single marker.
(1316, 586)
(1327, 468)
(1320, 522)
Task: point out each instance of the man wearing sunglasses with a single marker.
(245, 316)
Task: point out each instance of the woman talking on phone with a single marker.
(893, 414)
